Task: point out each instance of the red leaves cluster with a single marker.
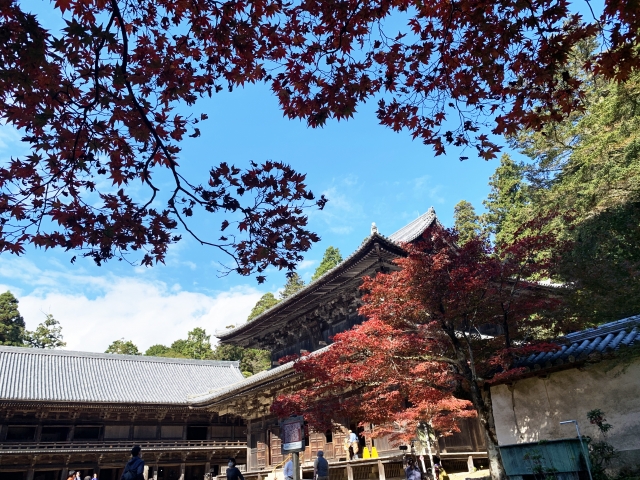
(96, 107)
(450, 319)
(379, 374)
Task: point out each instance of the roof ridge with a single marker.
(115, 356)
(602, 329)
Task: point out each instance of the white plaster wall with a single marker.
(532, 409)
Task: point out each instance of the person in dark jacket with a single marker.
(134, 469)
(321, 467)
(233, 473)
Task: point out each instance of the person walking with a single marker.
(134, 469)
(321, 467)
(288, 469)
(71, 475)
(233, 473)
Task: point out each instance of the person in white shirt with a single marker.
(288, 469)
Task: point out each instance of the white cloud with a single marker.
(306, 264)
(96, 310)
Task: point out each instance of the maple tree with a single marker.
(97, 103)
(437, 332)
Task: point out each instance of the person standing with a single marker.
(321, 467)
(134, 469)
(288, 469)
(233, 473)
(412, 472)
(354, 445)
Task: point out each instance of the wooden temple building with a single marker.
(306, 322)
(62, 411)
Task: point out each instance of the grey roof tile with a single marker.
(28, 374)
(413, 230)
(604, 339)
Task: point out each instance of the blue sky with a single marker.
(368, 172)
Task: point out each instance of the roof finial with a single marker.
(374, 229)
(431, 210)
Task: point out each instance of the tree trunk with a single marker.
(481, 399)
(485, 414)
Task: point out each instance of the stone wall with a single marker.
(531, 409)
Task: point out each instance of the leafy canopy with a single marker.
(267, 301)
(123, 347)
(294, 284)
(588, 168)
(12, 325)
(466, 222)
(330, 259)
(48, 334)
(97, 105)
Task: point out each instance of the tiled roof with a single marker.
(406, 234)
(413, 230)
(29, 374)
(588, 344)
(254, 381)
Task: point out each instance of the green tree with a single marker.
(196, 346)
(294, 284)
(267, 301)
(255, 361)
(507, 197)
(330, 259)
(467, 223)
(47, 335)
(588, 168)
(123, 347)
(157, 350)
(12, 330)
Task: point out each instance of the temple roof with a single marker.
(30, 374)
(373, 249)
(413, 230)
(604, 339)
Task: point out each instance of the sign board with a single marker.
(292, 435)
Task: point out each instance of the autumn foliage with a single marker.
(101, 103)
(436, 332)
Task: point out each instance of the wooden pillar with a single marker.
(30, 473)
(64, 475)
(349, 472)
(381, 473)
(207, 468)
(182, 469)
(156, 471)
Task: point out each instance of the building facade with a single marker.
(306, 322)
(62, 411)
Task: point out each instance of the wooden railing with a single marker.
(117, 446)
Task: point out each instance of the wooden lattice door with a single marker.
(276, 450)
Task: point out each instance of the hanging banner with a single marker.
(292, 434)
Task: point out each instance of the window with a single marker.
(196, 432)
(144, 431)
(86, 433)
(21, 433)
(116, 432)
(54, 434)
(171, 431)
(328, 436)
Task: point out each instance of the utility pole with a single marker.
(296, 466)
